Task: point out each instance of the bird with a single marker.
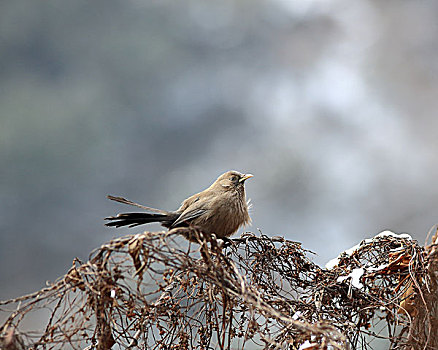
(221, 209)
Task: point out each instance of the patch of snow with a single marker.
(355, 276)
(297, 315)
(342, 278)
(306, 345)
(351, 251)
(397, 249)
(334, 262)
(395, 235)
(378, 268)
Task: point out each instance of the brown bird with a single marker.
(220, 209)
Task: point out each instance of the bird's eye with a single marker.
(233, 178)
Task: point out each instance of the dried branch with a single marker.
(159, 291)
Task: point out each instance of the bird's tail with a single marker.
(166, 218)
(135, 219)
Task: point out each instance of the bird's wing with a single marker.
(189, 215)
(127, 201)
(189, 202)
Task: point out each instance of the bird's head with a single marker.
(232, 180)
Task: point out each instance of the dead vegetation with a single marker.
(158, 291)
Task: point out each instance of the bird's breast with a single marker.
(227, 213)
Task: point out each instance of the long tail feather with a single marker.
(128, 202)
(135, 219)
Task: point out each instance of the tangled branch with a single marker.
(159, 291)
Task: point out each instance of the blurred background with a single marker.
(330, 104)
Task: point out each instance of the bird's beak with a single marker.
(245, 177)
